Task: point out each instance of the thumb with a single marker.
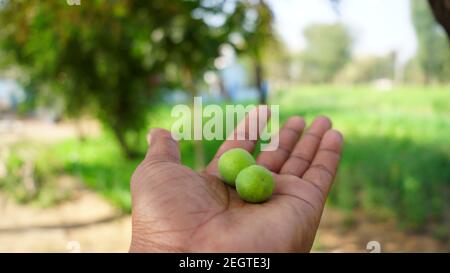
(162, 146)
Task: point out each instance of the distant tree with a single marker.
(413, 72)
(260, 38)
(328, 50)
(107, 58)
(366, 69)
(434, 49)
(282, 66)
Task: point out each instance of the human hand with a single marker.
(175, 209)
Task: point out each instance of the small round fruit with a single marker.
(255, 184)
(232, 162)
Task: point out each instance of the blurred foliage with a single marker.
(328, 51)
(367, 69)
(265, 38)
(101, 166)
(434, 48)
(396, 152)
(33, 175)
(108, 58)
(396, 165)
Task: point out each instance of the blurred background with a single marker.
(81, 82)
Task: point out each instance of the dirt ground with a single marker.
(85, 223)
(367, 235)
(88, 223)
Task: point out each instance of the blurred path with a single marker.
(334, 237)
(85, 223)
(17, 130)
(88, 223)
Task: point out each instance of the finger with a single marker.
(324, 166)
(288, 136)
(162, 146)
(304, 151)
(301, 192)
(244, 136)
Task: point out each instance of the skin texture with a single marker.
(232, 162)
(255, 184)
(175, 209)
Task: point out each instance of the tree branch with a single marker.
(441, 11)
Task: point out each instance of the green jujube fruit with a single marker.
(255, 184)
(232, 162)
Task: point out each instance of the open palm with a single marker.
(178, 209)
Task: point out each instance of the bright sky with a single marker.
(378, 26)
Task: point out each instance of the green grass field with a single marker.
(396, 160)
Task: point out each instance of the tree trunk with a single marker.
(223, 91)
(259, 76)
(199, 153)
(126, 149)
(80, 130)
(441, 11)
